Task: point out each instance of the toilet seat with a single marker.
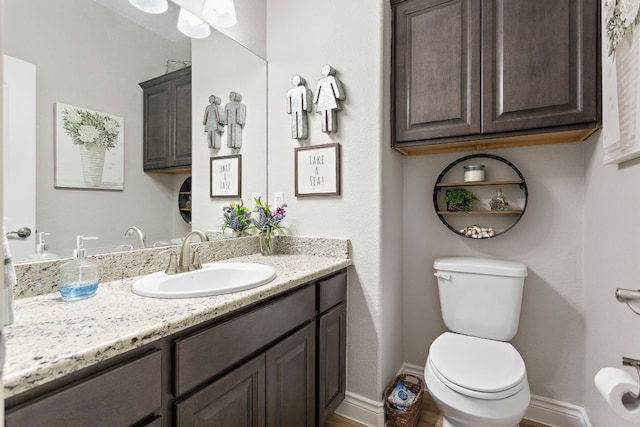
(477, 367)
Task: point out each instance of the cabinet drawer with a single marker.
(203, 355)
(332, 291)
(121, 396)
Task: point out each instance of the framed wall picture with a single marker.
(226, 176)
(89, 148)
(318, 170)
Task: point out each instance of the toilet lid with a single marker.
(477, 364)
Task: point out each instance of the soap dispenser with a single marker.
(42, 252)
(79, 277)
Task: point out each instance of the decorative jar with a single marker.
(473, 173)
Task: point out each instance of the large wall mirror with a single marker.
(88, 55)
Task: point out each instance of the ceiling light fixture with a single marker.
(150, 6)
(220, 13)
(192, 26)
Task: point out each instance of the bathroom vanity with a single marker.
(272, 355)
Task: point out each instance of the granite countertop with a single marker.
(51, 338)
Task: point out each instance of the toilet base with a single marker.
(465, 411)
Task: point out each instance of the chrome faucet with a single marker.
(141, 237)
(186, 262)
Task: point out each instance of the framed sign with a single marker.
(226, 176)
(318, 170)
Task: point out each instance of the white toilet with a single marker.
(475, 377)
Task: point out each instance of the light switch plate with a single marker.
(278, 199)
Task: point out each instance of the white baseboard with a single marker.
(541, 409)
(362, 409)
(416, 370)
(556, 413)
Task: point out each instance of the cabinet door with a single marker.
(237, 399)
(291, 382)
(181, 155)
(436, 69)
(157, 126)
(539, 63)
(332, 354)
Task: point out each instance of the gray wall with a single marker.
(611, 238)
(548, 239)
(552, 239)
(79, 63)
(353, 37)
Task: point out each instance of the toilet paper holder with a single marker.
(629, 296)
(631, 398)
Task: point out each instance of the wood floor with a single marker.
(430, 417)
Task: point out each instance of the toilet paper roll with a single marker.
(619, 388)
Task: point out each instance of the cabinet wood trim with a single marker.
(489, 142)
(197, 358)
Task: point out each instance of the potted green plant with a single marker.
(459, 199)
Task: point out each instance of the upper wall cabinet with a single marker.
(478, 74)
(167, 122)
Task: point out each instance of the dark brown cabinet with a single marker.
(279, 362)
(332, 344)
(291, 380)
(237, 399)
(331, 361)
(167, 122)
(119, 396)
(478, 74)
(277, 388)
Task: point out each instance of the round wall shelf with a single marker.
(481, 222)
(184, 200)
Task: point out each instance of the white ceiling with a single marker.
(163, 24)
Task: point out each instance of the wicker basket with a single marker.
(410, 416)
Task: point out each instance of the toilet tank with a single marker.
(480, 296)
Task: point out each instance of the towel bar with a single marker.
(627, 296)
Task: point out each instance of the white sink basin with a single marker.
(212, 279)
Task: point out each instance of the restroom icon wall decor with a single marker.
(328, 99)
(236, 117)
(299, 102)
(214, 121)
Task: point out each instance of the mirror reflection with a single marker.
(85, 54)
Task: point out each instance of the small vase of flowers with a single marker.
(268, 223)
(237, 217)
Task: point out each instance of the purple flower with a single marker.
(236, 216)
(268, 220)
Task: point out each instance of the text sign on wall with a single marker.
(318, 170)
(226, 176)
